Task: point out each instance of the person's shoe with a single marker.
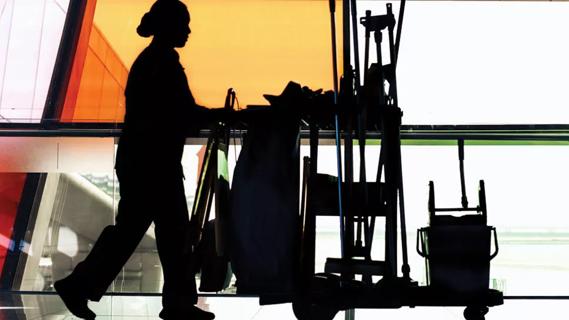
(73, 299)
(193, 313)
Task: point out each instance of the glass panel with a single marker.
(28, 154)
(525, 191)
(525, 187)
(226, 49)
(30, 32)
(481, 62)
(75, 204)
(455, 74)
(5, 23)
(11, 186)
(71, 214)
(67, 207)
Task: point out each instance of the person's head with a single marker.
(168, 21)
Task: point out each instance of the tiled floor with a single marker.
(50, 307)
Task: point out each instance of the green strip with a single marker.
(451, 142)
(222, 166)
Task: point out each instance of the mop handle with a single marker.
(337, 122)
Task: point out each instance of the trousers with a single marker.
(146, 196)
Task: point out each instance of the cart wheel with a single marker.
(304, 310)
(475, 312)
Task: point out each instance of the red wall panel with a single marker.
(11, 187)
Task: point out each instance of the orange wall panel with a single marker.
(100, 94)
(253, 46)
(78, 63)
(97, 44)
(110, 99)
(90, 89)
(95, 92)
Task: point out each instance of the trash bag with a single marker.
(264, 205)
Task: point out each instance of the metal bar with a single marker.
(346, 37)
(233, 295)
(307, 232)
(496, 127)
(455, 209)
(369, 240)
(391, 184)
(346, 99)
(313, 148)
(324, 135)
(467, 136)
(366, 53)
(490, 128)
(348, 187)
(337, 122)
(393, 58)
(356, 46)
(536, 297)
(397, 136)
(464, 199)
(406, 269)
(399, 28)
(64, 62)
(361, 205)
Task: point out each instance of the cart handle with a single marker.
(493, 255)
(418, 247)
(419, 243)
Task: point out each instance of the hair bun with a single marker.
(147, 27)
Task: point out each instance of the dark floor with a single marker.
(14, 306)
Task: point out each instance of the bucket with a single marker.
(458, 255)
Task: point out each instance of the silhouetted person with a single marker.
(160, 109)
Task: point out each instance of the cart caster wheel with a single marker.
(475, 313)
(309, 311)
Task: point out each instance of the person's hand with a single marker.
(212, 116)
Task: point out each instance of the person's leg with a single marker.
(112, 249)
(91, 277)
(179, 294)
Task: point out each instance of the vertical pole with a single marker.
(307, 231)
(347, 43)
(337, 122)
(347, 99)
(366, 53)
(397, 117)
(393, 58)
(356, 46)
(464, 199)
(399, 28)
(362, 196)
(313, 148)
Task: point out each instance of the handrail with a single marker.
(540, 134)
